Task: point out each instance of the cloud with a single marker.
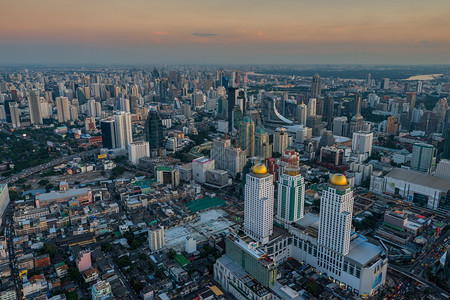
(204, 34)
(424, 42)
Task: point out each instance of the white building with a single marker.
(362, 143)
(280, 140)
(124, 134)
(156, 238)
(443, 169)
(311, 107)
(258, 204)
(291, 196)
(303, 134)
(191, 245)
(200, 166)
(101, 290)
(138, 150)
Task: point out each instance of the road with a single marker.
(63, 159)
(9, 233)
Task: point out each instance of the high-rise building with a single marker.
(411, 100)
(124, 133)
(315, 123)
(246, 136)
(218, 150)
(327, 139)
(340, 126)
(62, 107)
(419, 87)
(164, 90)
(14, 114)
(311, 107)
(392, 125)
(186, 110)
(280, 140)
(291, 195)
(137, 150)
(423, 157)
(4, 200)
(316, 86)
(336, 208)
(34, 107)
(258, 204)
(362, 143)
(263, 147)
(303, 134)
(156, 238)
(328, 110)
(357, 121)
(302, 114)
(443, 169)
(235, 158)
(154, 132)
(108, 129)
(385, 84)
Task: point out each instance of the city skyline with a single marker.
(208, 32)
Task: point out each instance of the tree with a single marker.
(117, 171)
(48, 187)
(43, 182)
(74, 274)
(51, 249)
(311, 286)
(106, 247)
(171, 254)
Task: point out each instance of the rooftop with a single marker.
(417, 178)
(362, 251)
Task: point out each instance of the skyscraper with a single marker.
(246, 136)
(362, 142)
(262, 144)
(392, 125)
(34, 107)
(302, 113)
(280, 140)
(291, 195)
(357, 121)
(108, 133)
(154, 132)
(411, 100)
(62, 107)
(258, 204)
(316, 86)
(163, 90)
(311, 107)
(14, 114)
(335, 223)
(423, 157)
(124, 133)
(385, 84)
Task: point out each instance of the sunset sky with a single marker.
(219, 31)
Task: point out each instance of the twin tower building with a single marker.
(326, 242)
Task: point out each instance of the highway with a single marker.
(63, 159)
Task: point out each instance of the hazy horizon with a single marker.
(225, 32)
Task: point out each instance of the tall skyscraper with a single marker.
(164, 90)
(423, 157)
(34, 107)
(411, 100)
(14, 114)
(392, 125)
(316, 86)
(218, 150)
(311, 107)
(124, 133)
(340, 126)
(258, 204)
(137, 150)
(362, 142)
(335, 224)
(357, 121)
(62, 107)
(262, 144)
(291, 195)
(385, 84)
(302, 113)
(246, 136)
(154, 132)
(108, 129)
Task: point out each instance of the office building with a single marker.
(423, 157)
(311, 107)
(316, 86)
(186, 110)
(315, 123)
(443, 169)
(199, 168)
(34, 107)
(62, 107)
(385, 83)
(302, 113)
(362, 143)
(123, 130)
(138, 150)
(327, 139)
(4, 200)
(263, 147)
(411, 100)
(357, 121)
(14, 114)
(218, 150)
(331, 155)
(164, 90)
(156, 238)
(340, 126)
(280, 140)
(392, 125)
(258, 204)
(108, 129)
(154, 132)
(168, 176)
(236, 158)
(291, 195)
(246, 136)
(303, 134)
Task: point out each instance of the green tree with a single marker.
(43, 182)
(171, 254)
(74, 274)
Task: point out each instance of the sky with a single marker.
(225, 32)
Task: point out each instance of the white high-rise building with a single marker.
(138, 150)
(124, 134)
(423, 157)
(156, 238)
(362, 142)
(443, 169)
(302, 114)
(291, 196)
(15, 114)
(336, 207)
(280, 140)
(258, 204)
(34, 107)
(218, 150)
(311, 107)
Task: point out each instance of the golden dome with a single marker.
(259, 169)
(338, 179)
